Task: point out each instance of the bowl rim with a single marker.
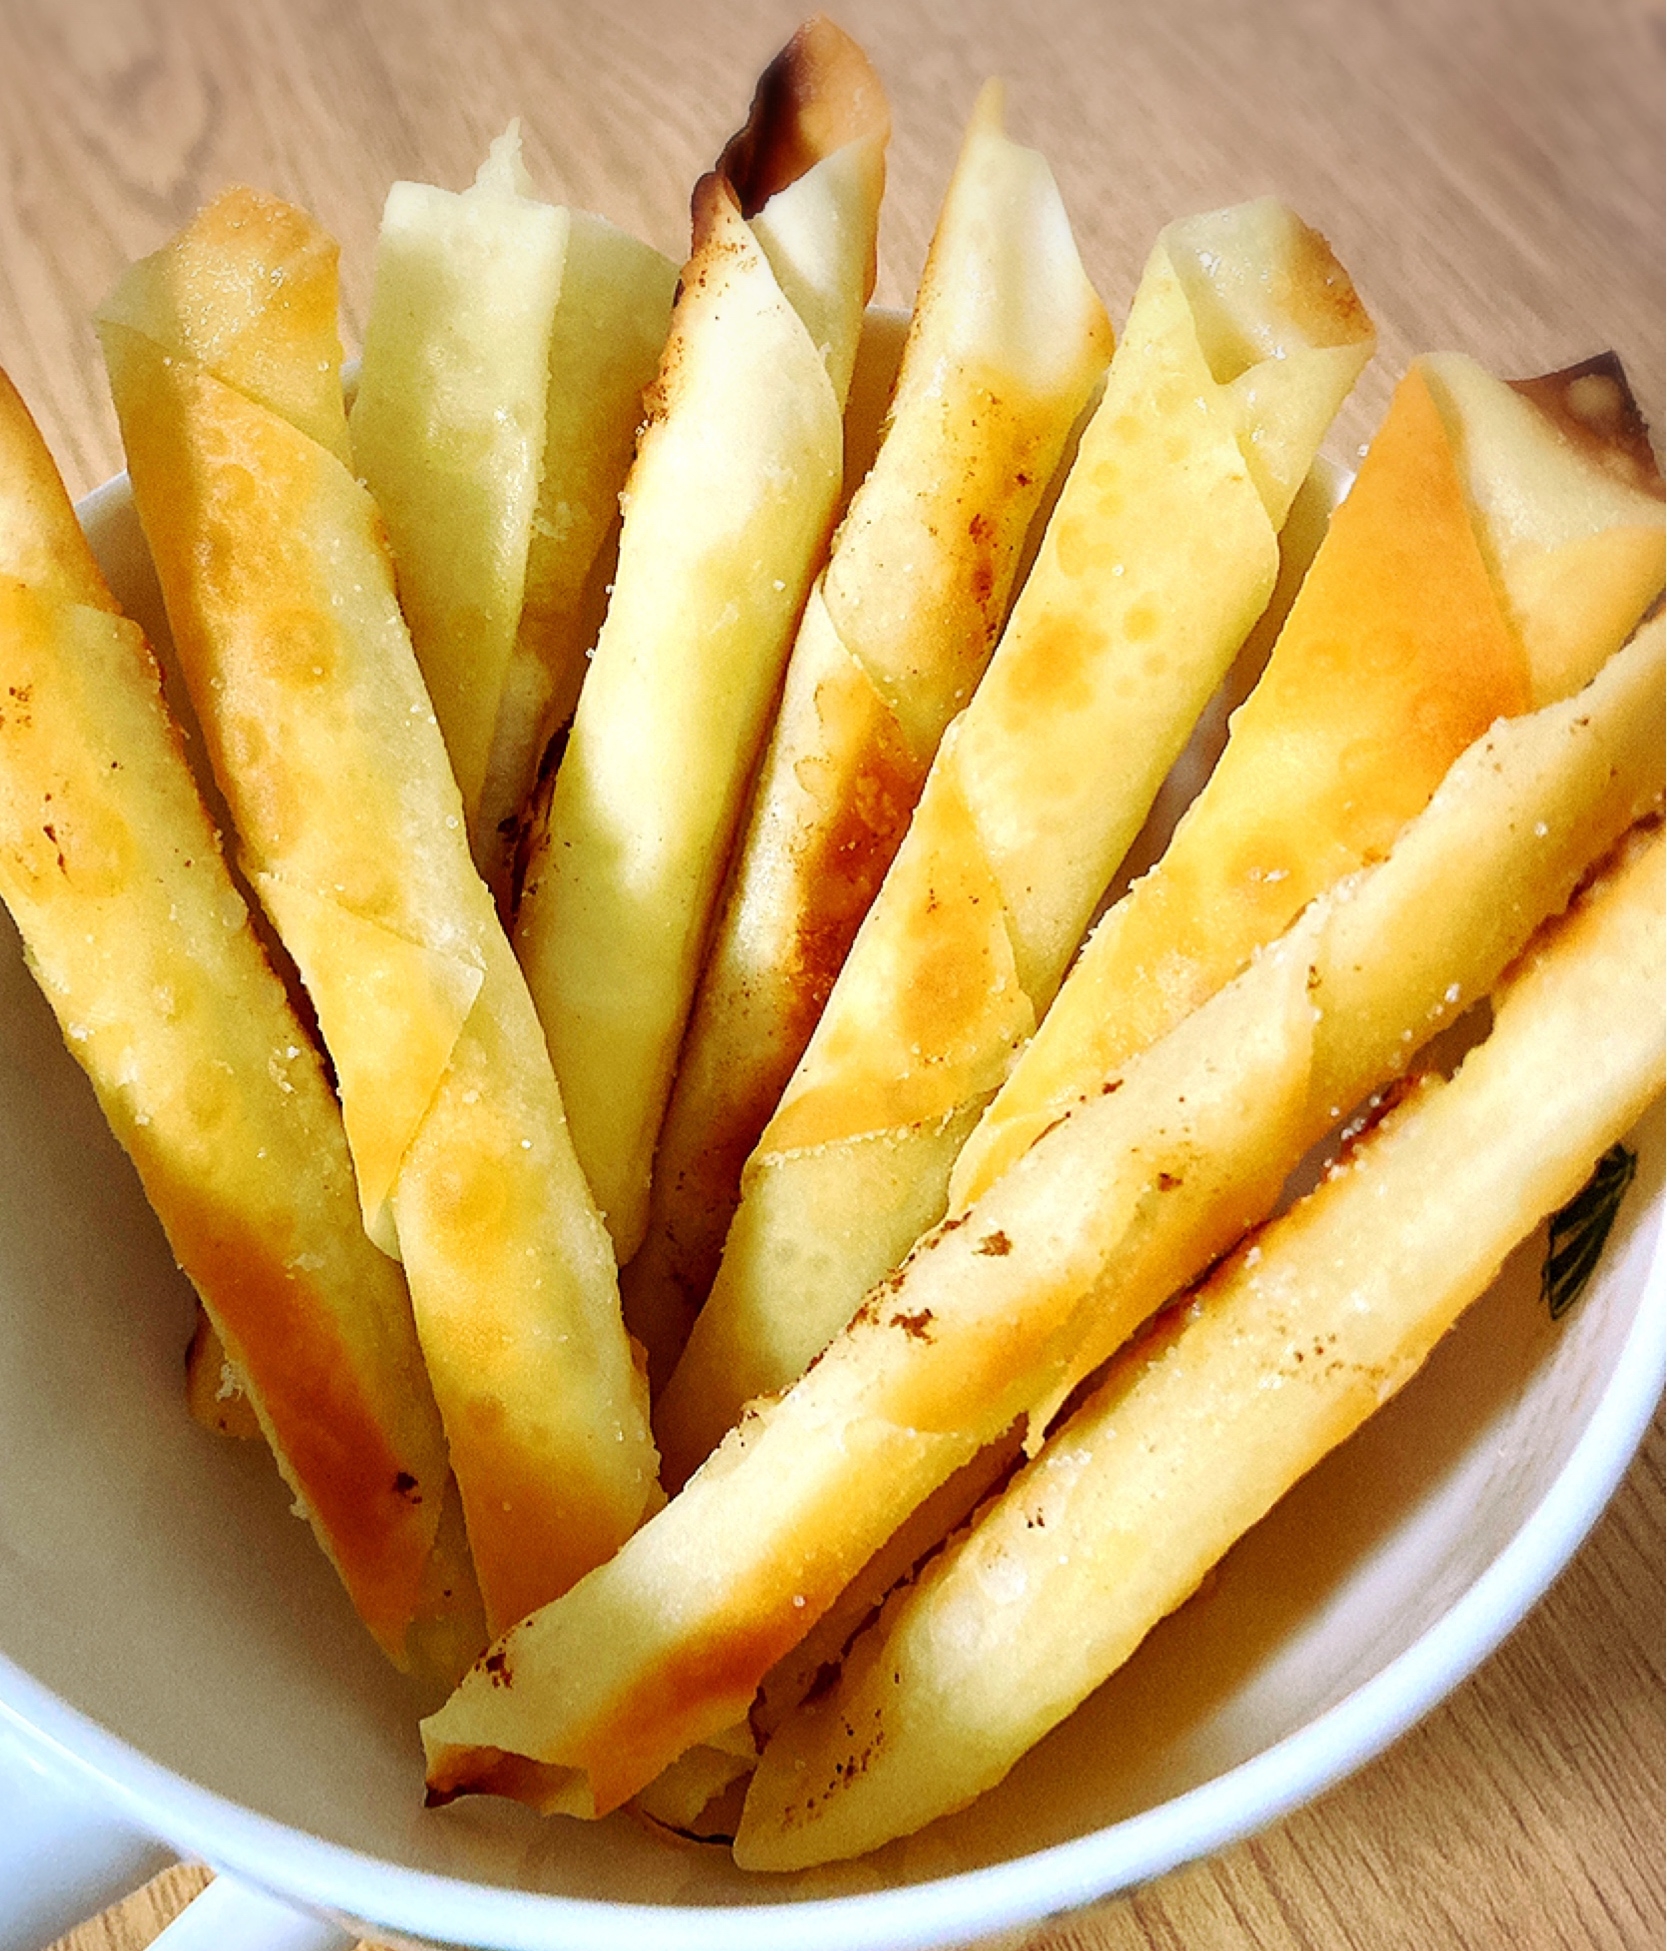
(301, 1867)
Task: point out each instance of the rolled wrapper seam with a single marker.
(499, 393)
(610, 328)
(1002, 1308)
(1578, 560)
(281, 598)
(112, 870)
(727, 511)
(448, 428)
(1278, 1357)
(1158, 558)
(1400, 648)
(1006, 341)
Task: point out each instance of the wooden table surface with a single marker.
(1490, 171)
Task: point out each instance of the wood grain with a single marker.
(1490, 172)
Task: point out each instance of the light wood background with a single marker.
(1490, 171)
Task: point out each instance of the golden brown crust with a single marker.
(843, 856)
(272, 562)
(1006, 342)
(1568, 509)
(1394, 657)
(863, 786)
(1124, 1202)
(358, 1484)
(727, 513)
(40, 540)
(1318, 293)
(937, 975)
(235, 500)
(248, 292)
(1277, 1357)
(1158, 558)
(113, 871)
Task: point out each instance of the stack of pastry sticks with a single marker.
(751, 1157)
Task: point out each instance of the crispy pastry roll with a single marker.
(1000, 1311)
(112, 870)
(448, 427)
(1579, 557)
(1159, 556)
(1007, 340)
(281, 597)
(505, 357)
(1399, 650)
(1206, 1423)
(726, 516)
(605, 346)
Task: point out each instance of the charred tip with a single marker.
(819, 93)
(1592, 404)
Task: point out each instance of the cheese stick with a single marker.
(1160, 555)
(1398, 651)
(1006, 342)
(112, 870)
(1001, 1310)
(727, 511)
(225, 365)
(1198, 1431)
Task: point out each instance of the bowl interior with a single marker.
(155, 1578)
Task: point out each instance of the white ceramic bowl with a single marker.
(178, 1670)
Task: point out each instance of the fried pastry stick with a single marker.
(113, 873)
(448, 427)
(605, 347)
(727, 511)
(1001, 1310)
(1160, 554)
(1204, 1424)
(1006, 342)
(1401, 647)
(507, 349)
(225, 365)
